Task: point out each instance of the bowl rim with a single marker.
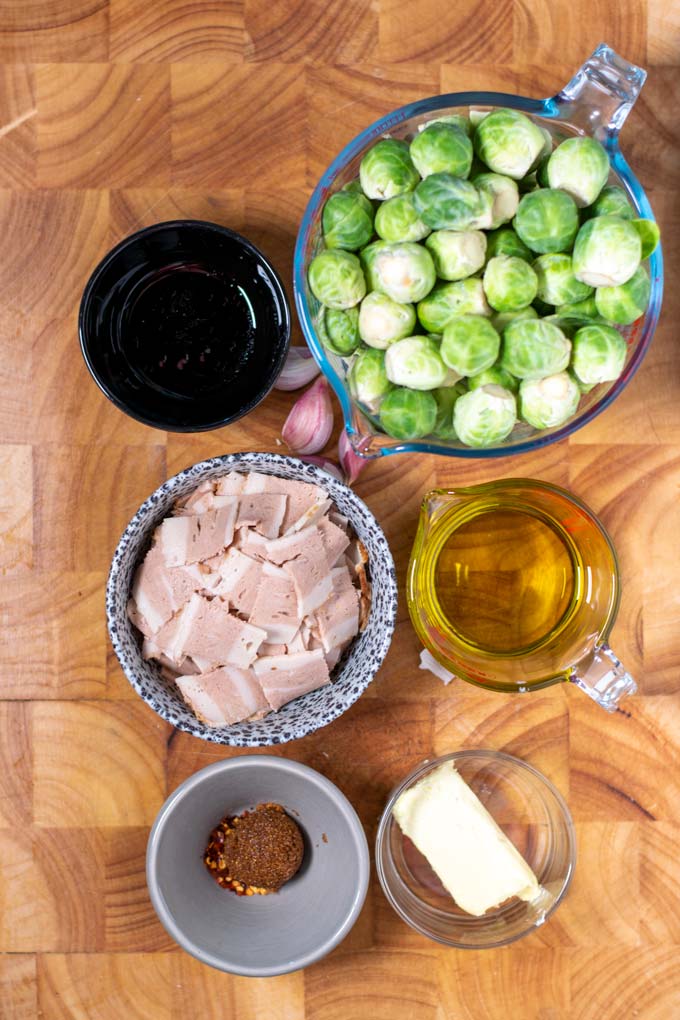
(302, 772)
(491, 755)
(549, 108)
(256, 460)
(89, 295)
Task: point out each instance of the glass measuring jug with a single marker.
(595, 102)
(514, 585)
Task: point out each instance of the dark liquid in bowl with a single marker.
(190, 330)
(185, 326)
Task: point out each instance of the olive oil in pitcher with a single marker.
(504, 579)
(512, 585)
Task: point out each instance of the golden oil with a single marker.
(510, 583)
(504, 579)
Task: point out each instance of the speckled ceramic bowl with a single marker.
(353, 673)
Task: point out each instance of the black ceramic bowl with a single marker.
(185, 326)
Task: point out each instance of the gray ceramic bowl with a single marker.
(258, 936)
(353, 673)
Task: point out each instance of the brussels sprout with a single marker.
(347, 221)
(405, 272)
(506, 242)
(534, 348)
(397, 220)
(504, 195)
(542, 173)
(579, 166)
(464, 297)
(353, 187)
(627, 302)
(557, 284)
(509, 283)
(547, 144)
(441, 148)
(367, 378)
(528, 183)
(649, 236)
(580, 311)
(484, 219)
(451, 378)
(477, 116)
(457, 119)
(446, 400)
(382, 320)
(336, 278)
(408, 414)
(457, 254)
(342, 330)
(501, 319)
(494, 376)
(484, 416)
(599, 354)
(607, 251)
(547, 402)
(509, 143)
(446, 202)
(415, 362)
(612, 201)
(547, 220)
(368, 256)
(470, 344)
(387, 170)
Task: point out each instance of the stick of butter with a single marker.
(473, 858)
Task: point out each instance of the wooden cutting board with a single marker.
(117, 114)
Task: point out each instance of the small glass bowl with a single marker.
(531, 813)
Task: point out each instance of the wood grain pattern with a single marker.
(114, 115)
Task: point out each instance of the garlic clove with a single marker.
(350, 462)
(326, 465)
(309, 425)
(299, 369)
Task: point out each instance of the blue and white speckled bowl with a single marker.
(308, 713)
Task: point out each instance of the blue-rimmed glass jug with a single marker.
(596, 101)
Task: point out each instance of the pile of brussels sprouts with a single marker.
(475, 276)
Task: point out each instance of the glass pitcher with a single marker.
(596, 101)
(514, 585)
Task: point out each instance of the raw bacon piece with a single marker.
(240, 577)
(263, 511)
(230, 485)
(276, 606)
(184, 540)
(313, 514)
(285, 677)
(159, 591)
(224, 696)
(310, 575)
(210, 635)
(280, 550)
(338, 618)
(172, 637)
(334, 539)
(301, 495)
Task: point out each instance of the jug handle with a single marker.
(603, 678)
(601, 94)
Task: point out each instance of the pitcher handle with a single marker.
(603, 678)
(601, 94)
